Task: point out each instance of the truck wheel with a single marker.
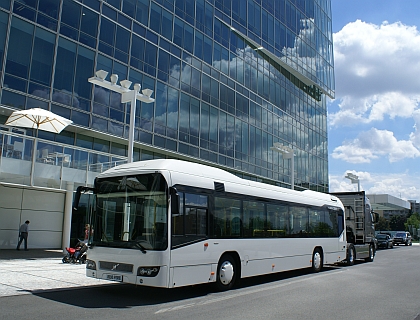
(317, 260)
(226, 273)
(371, 255)
(351, 255)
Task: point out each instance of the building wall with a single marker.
(415, 206)
(230, 79)
(44, 210)
(218, 97)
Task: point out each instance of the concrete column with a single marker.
(68, 209)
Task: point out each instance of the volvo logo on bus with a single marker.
(115, 266)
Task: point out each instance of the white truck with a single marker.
(360, 226)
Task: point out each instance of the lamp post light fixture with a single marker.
(127, 95)
(287, 153)
(354, 179)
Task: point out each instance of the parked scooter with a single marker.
(78, 254)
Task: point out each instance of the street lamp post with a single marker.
(354, 179)
(287, 153)
(127, 95)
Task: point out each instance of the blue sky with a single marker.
(374, 120)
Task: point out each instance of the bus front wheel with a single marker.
(317, 260)
(226, 273)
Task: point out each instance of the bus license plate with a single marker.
(114, 277)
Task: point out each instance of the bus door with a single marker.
(190, 259)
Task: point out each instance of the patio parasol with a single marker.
(38, 119)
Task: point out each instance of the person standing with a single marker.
(88, 233)
(23, 235)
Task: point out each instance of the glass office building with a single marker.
(230, 78)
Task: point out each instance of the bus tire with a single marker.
(317, 260)
(226, 273)
(351, 255)
(371, 254)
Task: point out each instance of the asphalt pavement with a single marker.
(37, 270)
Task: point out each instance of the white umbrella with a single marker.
(38, 119)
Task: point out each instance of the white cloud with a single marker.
(377, 84)
(415, 136)
(376, 69)
(385, 53)
(402, 185)
(355, 110)
(374, 144)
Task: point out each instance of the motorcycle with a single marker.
(78, 254)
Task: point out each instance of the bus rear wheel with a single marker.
(317, 260)
(226, 273)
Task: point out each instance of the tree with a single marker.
(413, 220)
(397, 222)
(382, 224)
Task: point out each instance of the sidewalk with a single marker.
(25, 272)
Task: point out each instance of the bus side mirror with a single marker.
(79, 191)
(174, 200)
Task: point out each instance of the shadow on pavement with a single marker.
(31, 254)
(122, 296)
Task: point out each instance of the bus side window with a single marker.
(254, 219)
(277, 220)
(227, 218)
(235, 226)
(299, 221)
(178, 218)
(191, 220)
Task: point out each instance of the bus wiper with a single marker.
(138, 245)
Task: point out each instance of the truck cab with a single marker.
(360, 226)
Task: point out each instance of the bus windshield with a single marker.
(131, 212)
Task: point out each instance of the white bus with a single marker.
(170, 223)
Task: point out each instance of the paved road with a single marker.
(42, 287)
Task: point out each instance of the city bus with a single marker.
(171, 223)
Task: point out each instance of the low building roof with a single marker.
(387, 202)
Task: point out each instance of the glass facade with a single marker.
(230, 79)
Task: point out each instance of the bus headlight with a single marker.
(90, 264)
(148, 271)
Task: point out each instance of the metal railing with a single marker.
(49, 164)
